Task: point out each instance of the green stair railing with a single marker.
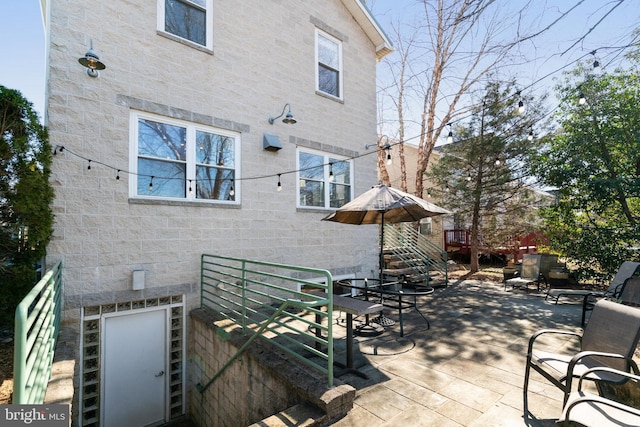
(273, 302)
(417, 252)
(37, 323)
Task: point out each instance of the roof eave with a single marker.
(372, 29)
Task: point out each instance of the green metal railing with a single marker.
(37, 323)
(417, 252)
(273, 302)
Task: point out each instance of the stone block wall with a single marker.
(263, 57)
(260, 383)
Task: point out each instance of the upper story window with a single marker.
(329, 60)
(324, 181)
(188, 19)
(172, 159)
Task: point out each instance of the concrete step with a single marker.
(303, 414)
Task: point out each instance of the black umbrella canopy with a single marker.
(383, 204)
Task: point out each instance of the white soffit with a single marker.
(370, 26)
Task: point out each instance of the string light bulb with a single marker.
(520, 103)
(190, 189)
(279, 184)
(498, 162)
(151, 185)
(450, 136)
(118, 175)
(387, 147)
(596, 63)
(89, 165)
(331, 177)
(530, 137)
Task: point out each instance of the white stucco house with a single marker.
(169, 152)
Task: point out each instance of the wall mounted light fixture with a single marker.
(92, 62)
(386, 146)
(288, 119)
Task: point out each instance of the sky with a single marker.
(22, 47)
(22, 41)
(590, 25)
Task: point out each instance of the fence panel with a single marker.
(273, 301)
(37, 323)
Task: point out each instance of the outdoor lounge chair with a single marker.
(530, 272)
(627, 269)
(609, 339)
(592, 410)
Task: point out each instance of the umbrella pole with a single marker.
(381, 255)
(381, 319)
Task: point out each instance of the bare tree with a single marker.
(453, 47)
(399, 81)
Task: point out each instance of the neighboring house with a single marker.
(433, 228)
(169, 154)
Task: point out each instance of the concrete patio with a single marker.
(467, 369)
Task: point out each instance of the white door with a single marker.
(134, 369)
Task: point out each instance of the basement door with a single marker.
(135, 350)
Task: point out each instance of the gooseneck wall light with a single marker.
(92, 62)
(288, 118)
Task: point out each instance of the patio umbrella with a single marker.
(383, 204)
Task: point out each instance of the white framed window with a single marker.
(190, 20)
(329, 64)
(178, 160)
(324, 180)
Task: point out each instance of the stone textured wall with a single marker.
(263, 57)
(258, 384)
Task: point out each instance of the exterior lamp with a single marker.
(288, 118)
(92, 62)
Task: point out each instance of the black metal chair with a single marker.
(592, 410)
(610, 339)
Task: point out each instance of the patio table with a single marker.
(351, 306)
(391, 295)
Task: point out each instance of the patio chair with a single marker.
(627, 270)
(609, 340)
(592, 410)
(530, 272)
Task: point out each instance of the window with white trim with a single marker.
(174, 159)
(329, 64)
(324, 181)
(191, 20)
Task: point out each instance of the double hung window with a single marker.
(188, 19)
(324, 181)
(174, 159)
(329, 64)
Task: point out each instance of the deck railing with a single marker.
(37, 323)
(273, 302)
